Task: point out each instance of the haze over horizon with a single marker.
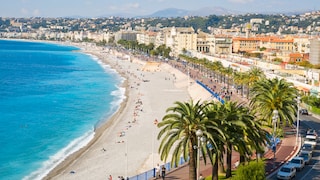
(96, 8)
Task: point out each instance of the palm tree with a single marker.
(234, 122)
(178, 132)
(274, 94)
(233, 126)
(240, 78)
(216, 138)
(254, 74)
(228, 72)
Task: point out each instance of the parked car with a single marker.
(311, 139)
(307, 147)
(304, 112)
(286, 172)
(306, 155)
(312, 132)
(297, 162)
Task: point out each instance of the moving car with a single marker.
(297, 162)
(312, 132)
(306, 155)
(311, 139)
(304, 112)
(307, 147)
(286, 172)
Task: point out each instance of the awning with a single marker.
(300, 88)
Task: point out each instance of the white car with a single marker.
(286, 172)
(311, 139)
(297, 162)
(306, 155)
(312, 132)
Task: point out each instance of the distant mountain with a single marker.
(213, 11)
(173, 12)
(207, 11)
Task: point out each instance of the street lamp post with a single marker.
(155, 123)
(274, 123)
(199, 134)
(298, 109)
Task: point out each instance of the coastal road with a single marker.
(311, 171)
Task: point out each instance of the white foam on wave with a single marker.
(57, 158)
(118, 94)
(107, 67)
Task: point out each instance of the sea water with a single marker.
(51, 99)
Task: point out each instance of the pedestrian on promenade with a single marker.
(201, 177)
(163, 172)
(236, 164)
(157, 171)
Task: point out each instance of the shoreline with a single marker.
(79, 161)
(98, 132)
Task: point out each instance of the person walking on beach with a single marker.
(163, 172)
(110, 177)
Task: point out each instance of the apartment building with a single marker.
(147, 37)
(179, 39)
(314, 51)
(125, 35)
(301, 44)
(242, 44)
(222, 44)
(205, 42)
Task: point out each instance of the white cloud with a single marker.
(241, 1)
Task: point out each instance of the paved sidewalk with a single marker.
(285, 150)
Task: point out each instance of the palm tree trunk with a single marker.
(242, 89)
(215, 169)
(242, 159)
(221, 168)
(192, 162)
(229, 163)
(248, 89)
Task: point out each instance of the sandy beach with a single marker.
(126, 144)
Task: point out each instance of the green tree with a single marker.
(254, 170)
(274, 94)
(178, 133)
(216, 138)
(253, 76)
(233, 122)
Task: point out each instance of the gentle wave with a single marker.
(76, 144)
(56, 159)
(119, 95)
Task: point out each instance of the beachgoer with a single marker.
(163, 172)
(157, 171)
(110, 177)
(201, 177)
(236, 164)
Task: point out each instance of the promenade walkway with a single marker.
(286, 149)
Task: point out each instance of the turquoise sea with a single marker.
(52, 97)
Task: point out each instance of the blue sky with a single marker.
(94, 8)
